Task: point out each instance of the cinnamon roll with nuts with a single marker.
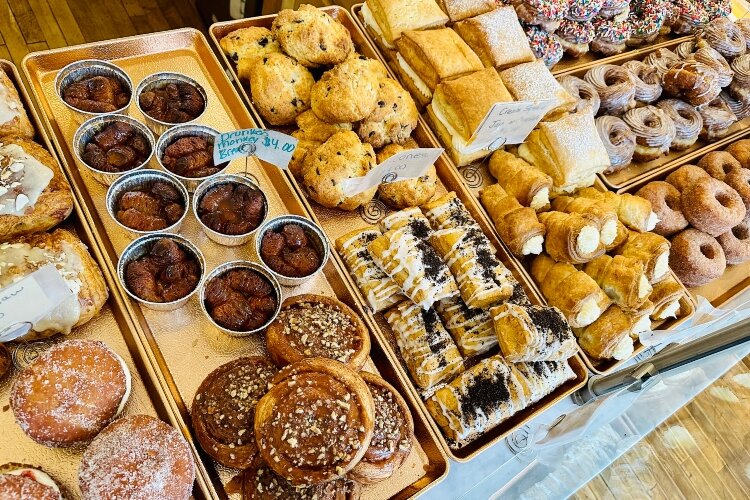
(615, 86)
(654, 132)
(688, 122)
(723, 35)
(693, 82)
(583, 91)
(618, 140)
(262, 483)
(717, 119)
(647, 81)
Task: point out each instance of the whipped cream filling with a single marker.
(652, 221)
(588, 240)
(609, 232)
(624, 348)
(423, 88)
(128, 384)
(23, 178)
(644, 287)
(642, 325)
(669, 311)
(35, 474)
(533, 246)
(589, 313)
(661, 266)
(370, 22)
(8, 108)
(540, 199)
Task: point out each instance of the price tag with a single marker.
(408, 164)
(268, 145)
(30, 299)
(509, 123)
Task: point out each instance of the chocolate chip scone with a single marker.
(280, 88)
(312, 37)
(249, 43)
(348, 92)
(394, 118)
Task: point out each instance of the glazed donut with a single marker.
(662, 59)
(692, 81)
(685, 49)
(696, 258)
(665, 202)
(741, 109)
(618, 140)
(744, 26)
(725, 37)
(615, 86)
(712, 207)
(685, 176)
(741, 152)
(610, 36)
(717, 120)
(583, 10)
(646, 19)
(614, 9)
(718, 164)
(546, 13)
(736, 243)
(654, 132)
(688, 122)
(647, 81)
(583, 91)
(575, 36)
(544, 46)
(740, 182)
(740, 86)
(711, 58)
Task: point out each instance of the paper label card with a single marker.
(28, 300)
(268, 145)
(509, 123)
(408, 164)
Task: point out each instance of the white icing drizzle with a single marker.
(23, 178)
(451, 214)
(540, 344)
(472, 329)
(9, 108)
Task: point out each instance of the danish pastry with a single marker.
(13, 118)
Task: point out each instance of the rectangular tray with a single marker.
(736, 279)
(337, 222)
(112, 325)
(183, 342)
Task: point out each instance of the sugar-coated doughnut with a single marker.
(740, 182)
(736, 243)
(665, 202)
(712, 207)
(685, 176)
(741, 151)
(696, 257)
(718, 164)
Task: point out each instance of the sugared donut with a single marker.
(719, 164)
(685, 176)
(22, 482)
(712, 206)
(741, 152)
(736, 243)
(696, 257)
(665, 202)
(70, 392)
(740, 182)
(140, 458)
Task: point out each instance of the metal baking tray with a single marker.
(566, 64)
(112, 325)
(183, 342)
(736, 279)
(337, 222)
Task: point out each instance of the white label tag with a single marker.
(28, 300)
(268, 145)
(509, 123)
(408, 164)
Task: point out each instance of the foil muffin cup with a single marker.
(139, 248)
(315, 235)
(158, 80)
(78, 70)
(240, 264)
(177, 132)
(93, 126)
(230, 240)
(141, 179)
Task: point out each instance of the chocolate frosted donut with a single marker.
(647, 81)
(711, 58)
(618, 140)
(654, 132)
(685, 176)
(717, 118)
(688, 122)
(740, 182)
(712, 207)
(665, 202)
(725, 37)
(736, 243)
(696, 258)
(583, 91)
(741, 151)
(719, 164)
(615, 86)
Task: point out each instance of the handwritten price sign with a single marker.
(268, 145)
(408, 164)
(509, 123)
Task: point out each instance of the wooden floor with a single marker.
(702, 451)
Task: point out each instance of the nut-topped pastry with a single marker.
(241, 300)
(316, 422)
(191, 156)
(232, 208)
(117, 148)
(224, 410)
(289, 251)
(317, 326)
(150, 208)
(175, 102)
(97, 94)
(165, 274)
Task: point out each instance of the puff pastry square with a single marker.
(461, 9)
(393, 17)
(497, 38)
(533, 81)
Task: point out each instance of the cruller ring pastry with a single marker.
(688, 122)
(654, 132)
(712, 207)
(316, 422)
(724, 36)
(692, 81)
(618, 140)
(696, 258)
(583, 91)
(616, 87)
(647, 81)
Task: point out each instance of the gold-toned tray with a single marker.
(337, 222)
(736, 279)
(112, 325)
(183, 342)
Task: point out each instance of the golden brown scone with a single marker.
(280, 88)
(313, 128)
(312, 37)
(249, 43)
(394, 118)
(341, 157)
(304, 146)
(409, 192)
(13, 117)
(71, 258)
(35, 197)
(348, 92)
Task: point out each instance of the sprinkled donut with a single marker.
(717, 8)
(724, 36)
(654, 132)
(665, 202)
(719, 164)
(740, 182)
(583, 91)
(545, 47)
(647, 81)
(583, 10)
(691, 18)
(686, 176)
(610, 36)
(546, 13)
(646, 19)
(688, 122)
(615, 86)
(736, 243)
(712, 207)
(741, 151)
(614, 8)
(575, 36)
(696, 258)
